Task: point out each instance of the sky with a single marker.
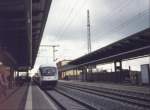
(110, 21)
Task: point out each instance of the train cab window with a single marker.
(48, 71)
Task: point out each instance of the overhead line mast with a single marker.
(54, 50)
(88, 32)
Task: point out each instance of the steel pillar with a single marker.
(76, 73)
(118, 65)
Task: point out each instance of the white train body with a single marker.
(47, 76)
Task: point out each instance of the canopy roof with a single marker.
(21, 28)
(132, 46)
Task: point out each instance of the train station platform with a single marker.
(115, 86)
(15, 98)
(26, 97)
(38, 100)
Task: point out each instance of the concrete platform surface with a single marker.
(38, 100)
(15, 99)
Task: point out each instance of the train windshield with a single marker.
(48, 71)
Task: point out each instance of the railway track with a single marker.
(58, 104)
(67, 102)
(130, 98)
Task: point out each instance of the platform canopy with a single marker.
(133, 46)
(21, 28)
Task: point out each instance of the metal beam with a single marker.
(140, 52)
(28, 11)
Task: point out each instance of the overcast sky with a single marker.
(111, 20)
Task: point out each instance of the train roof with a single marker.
(48, 65)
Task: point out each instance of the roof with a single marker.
(22, 24)
(135, 45)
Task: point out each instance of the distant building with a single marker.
(60, 66)
(65, 72)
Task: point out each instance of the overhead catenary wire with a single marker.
(70, 21)
(60, 33)
(122, 25)
(63, 8)
(74, 18)
(57, 5)
(67, 27)
(63, 24)
(117, 10)
(120, 12)
(116, 28)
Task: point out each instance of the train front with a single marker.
(49, 76)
